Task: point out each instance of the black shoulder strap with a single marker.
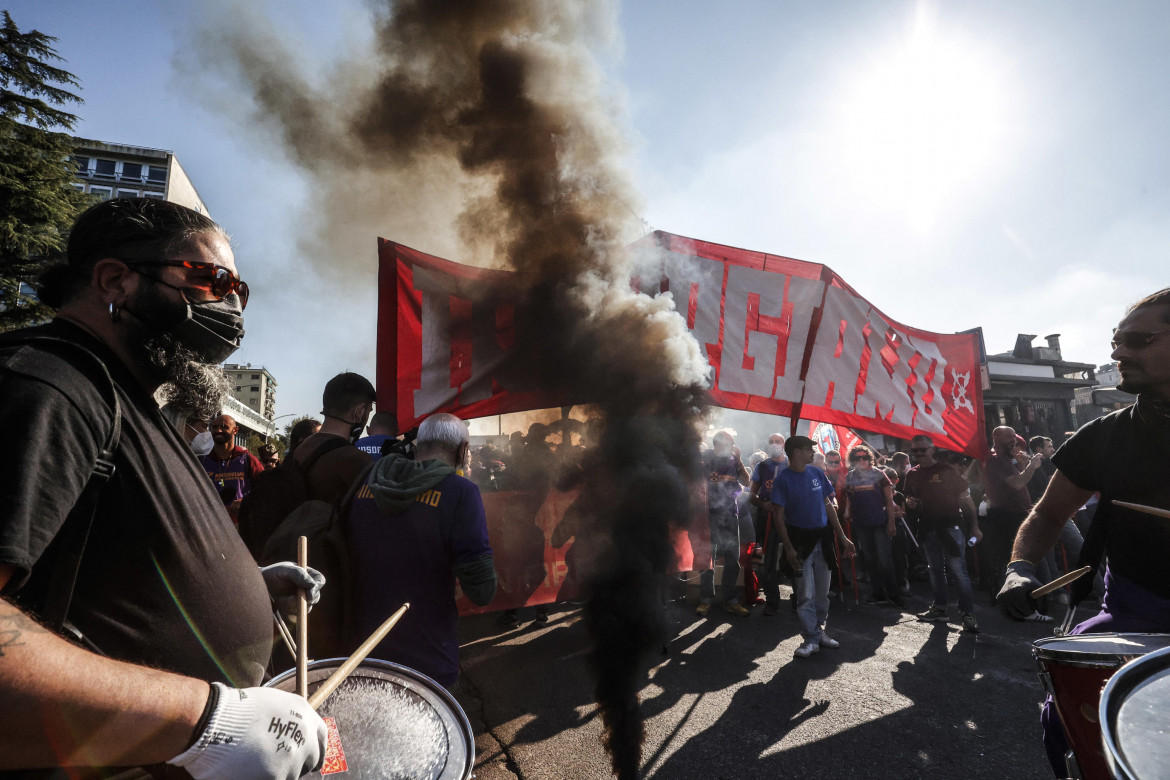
(75, 531)
(328, 446)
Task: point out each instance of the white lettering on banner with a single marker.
(681, 271)
(733, 377)
(885, 391)
(805, 296)
(486, 354)
(929, 419)
(435, 388)
(841, 326)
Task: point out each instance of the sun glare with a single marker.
(922, 124)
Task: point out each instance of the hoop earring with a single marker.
(115, 315)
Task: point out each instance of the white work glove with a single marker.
(255, 734)
(284, 579)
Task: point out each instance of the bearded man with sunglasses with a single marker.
(169, 620)
(1136, 544)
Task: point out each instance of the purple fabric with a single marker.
(1126, 609)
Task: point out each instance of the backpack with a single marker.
(275, 495)
(74, 533)
(324, 524)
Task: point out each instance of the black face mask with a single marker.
(212, 330)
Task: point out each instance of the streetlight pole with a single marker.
(274, 419)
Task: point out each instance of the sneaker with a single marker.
(541, 618)
(771, 609)
(807, 649)
(1061, 598)
(969, 623)
(508, 619)
(829, 642)
(1036, 617)
(739, 610)
(934, 614)
(703, 609)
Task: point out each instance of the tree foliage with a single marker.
(37, 200)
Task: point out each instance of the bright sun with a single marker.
(922, 124)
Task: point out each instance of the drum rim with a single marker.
(1041, 651)
(1113, 695)
(456, 710)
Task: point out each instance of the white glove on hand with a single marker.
(284, 579)
(255, 734)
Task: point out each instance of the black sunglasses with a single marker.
(1137, 339)
(860, 457)
(212, 283)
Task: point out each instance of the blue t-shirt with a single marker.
(372, 444)
(409, 557)
(803, 494)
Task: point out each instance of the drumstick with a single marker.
(284, 634)
(302, 623)
(1060, 582)
(1149, 510)
(349, 664)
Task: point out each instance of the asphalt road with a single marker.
(899, 699)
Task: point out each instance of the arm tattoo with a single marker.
(14, 624)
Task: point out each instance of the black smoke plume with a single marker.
(480, 130)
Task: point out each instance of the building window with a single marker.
(105, 193)
(255, 376)
(157, 173)
(255, 389)
(155, 195)
(82, 164)
(127, 193)
(78, 186)
(131, 170)
(104, 169)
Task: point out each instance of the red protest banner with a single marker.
(782, 337)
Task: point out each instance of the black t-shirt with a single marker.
(165, 581)
(1126, 456)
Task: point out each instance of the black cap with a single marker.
(795, 443)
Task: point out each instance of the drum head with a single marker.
(1135, 718)
(1098, 646)
(389, 722)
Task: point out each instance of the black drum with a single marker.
(1135, 718)
(389, 722)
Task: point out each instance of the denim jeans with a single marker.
(725, 547)
(812, 594)
(938, 554)
(878, 559)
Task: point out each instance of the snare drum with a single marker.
(389, 722)
(1135, 718)
(1073, 670)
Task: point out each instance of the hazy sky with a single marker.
(994, 164)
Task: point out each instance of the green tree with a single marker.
(37, 200)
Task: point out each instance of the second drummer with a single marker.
(1137, 590)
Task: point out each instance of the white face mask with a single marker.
(774, 450)
(203, 443)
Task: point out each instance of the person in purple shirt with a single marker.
(803, 513)
(416, 528)
(869, 505)
(230, 467)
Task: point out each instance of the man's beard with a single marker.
(189, 386)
